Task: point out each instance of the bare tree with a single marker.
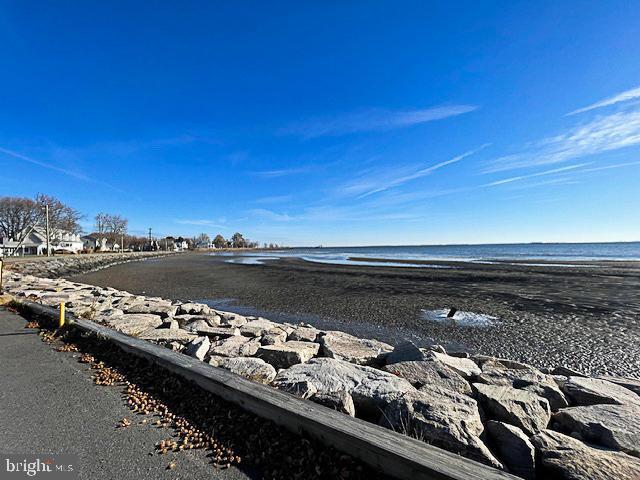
(62, 217)
(116, 228)
(201, 240)
(16, 215)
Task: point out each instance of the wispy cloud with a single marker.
(373, 120)
(604, 133)
(533, 175)
(271, 215)
(625, 96)
(609, 167)
(284, 172)
(202, 223)
(71, 173)
(379, 181)
(274, 199)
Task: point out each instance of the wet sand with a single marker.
(584, 317)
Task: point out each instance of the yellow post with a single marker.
(61, 323)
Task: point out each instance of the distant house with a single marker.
(95, 243)
(35, 243)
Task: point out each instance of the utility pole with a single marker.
(46, 209)
(149, 239)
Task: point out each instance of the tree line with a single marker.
(18, 214)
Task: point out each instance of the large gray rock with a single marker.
(304, 334)
(286, 354)
(342, 346)
(613, 426)
(583, 391)
(440, 417)
(236, 346)
(429, 373)
(370, 388)
(254, 369)
(164, 309)
(232, 319)
(193, 309)
(258, 327)
(406, 352)
(340, 401)
(133, 324)
(632, 384)
(517, 407)
(274, 336)
(198, 348)
(464, 366)
(167, 335)
(523, 376)
(566, 458)
(513, 447)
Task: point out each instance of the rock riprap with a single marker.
(567, 458)
(494, 410)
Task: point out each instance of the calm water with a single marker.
(549, 252)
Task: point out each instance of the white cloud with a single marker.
(203, 223)
(376, 181)
(373, 120)
(271, 215)
(532, 175)
(42, 164)
(604, 133)
(284, 172)
(274, 199)
(632, 94)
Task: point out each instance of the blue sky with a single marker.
(334, 123)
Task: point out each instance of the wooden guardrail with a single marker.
(395, 454)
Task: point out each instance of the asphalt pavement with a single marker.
(50, 405)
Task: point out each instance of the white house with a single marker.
(94, 242)
(35, 243)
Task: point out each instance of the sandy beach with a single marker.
(586, 317)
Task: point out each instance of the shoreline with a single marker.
(584, 318)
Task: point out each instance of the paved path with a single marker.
(49, 404)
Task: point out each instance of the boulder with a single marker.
(442, 418)
(583, 391)
(632, 384)
(464, 366)
(195, 324)
(613, 426)
(513, 447)
(164, 309)
(371, 389)
(167, 335)
(133, 324)
(257, 328)
(254, 369)
(342, 346)
(274, 336)
(429, 373)
(340, 401)
(231, 319)
(517, 407)
(520, 375)
(193, 309)
(566, 458)
(304, 334)
(236, 346)
(286, 354)
(219, 332)
(198, 348)
(405, 352)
